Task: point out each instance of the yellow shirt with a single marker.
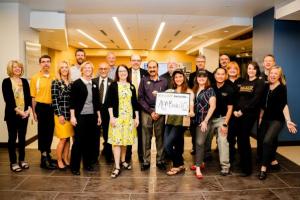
(40, 88)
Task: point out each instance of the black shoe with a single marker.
(275, 167)
(145, 167)
(75, 172)
(161, 166)
(262, 175)
(46, 164)
(52, 162)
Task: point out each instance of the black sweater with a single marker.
(113, 99)
(8, 95)
(79, 94)
(274, 102)
(250, 95)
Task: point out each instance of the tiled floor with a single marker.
(36, 183)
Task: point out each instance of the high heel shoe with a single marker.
(65, 163)
(262, 175)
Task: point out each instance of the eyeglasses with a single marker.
(120, 71)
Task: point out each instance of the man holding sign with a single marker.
(151, 121)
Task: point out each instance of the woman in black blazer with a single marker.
(124, 117)
(17, 99)
(86, 119)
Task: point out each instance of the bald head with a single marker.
(172, 66)
(135, 61)
(103, 69)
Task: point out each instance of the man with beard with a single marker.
(75, 70)
(151, 121)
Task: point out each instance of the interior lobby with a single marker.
(164, 31)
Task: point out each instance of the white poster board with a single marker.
(32, 55)
(172, 103)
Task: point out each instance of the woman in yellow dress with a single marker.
(60, 90)
(124, 118)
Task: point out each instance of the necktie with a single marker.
(101, 91)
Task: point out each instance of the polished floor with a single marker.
(36, 183)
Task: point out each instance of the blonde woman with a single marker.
(17, 99)
(86, 119)
(61, 89)
(273, 116)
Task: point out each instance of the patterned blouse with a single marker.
(202, 104)
(61, 98)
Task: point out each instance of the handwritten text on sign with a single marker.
(172, 103)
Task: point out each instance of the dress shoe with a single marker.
(224, 172)
(161, 166)
(75, 172)
(262, 175)
(145, 167)
(46, 164)
(275, 167)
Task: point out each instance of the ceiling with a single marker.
(215, 20)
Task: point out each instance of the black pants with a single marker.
(232, 138)
(140, 142)
(16, 129)
(267, 140)
(244, 126)
(107, 148)
(174, 143)
(84, 145)
(193, 135)
(45, 117)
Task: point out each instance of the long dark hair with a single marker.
(184, 85)
(117, 78)
(256, 67)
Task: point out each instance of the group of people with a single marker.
(120, 103)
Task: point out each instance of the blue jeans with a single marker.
(174, 143)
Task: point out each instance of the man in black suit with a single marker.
(136, 73)
(103, 82)
(200, 65)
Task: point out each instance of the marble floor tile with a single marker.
(9, 182)
(17, 195)
(292, 179)
(287, 193)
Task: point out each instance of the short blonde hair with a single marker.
(58, 73)
(10, 65)
(235, 65)
(86, 63)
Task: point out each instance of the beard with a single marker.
(80, 61)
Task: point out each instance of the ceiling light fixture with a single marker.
(183, 42)
(90, 38)
(122, 31)
(82, 44)
(160, 29)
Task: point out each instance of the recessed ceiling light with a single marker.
(160, 29)
(91, 38)
(226, 31)
(183, 42)
(82, 44)
(122, 31)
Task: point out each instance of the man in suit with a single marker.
(103, 82)
(136, 74)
